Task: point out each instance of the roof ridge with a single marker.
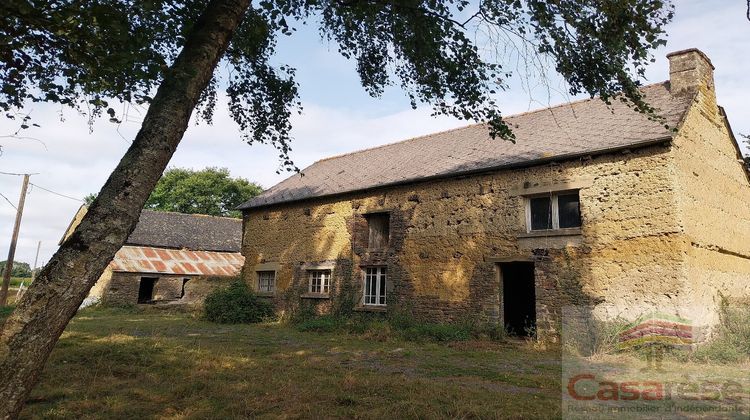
(569, 103)
(533, 111)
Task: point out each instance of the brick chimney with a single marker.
(690, 70)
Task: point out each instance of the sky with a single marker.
(73, 158)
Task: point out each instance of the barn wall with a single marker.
(448, 235)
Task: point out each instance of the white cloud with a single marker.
(78, 162)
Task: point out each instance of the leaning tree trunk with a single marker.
(28, 336)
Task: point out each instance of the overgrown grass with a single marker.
(147, 363)
(728, 344)
(731, 342)
(5, 312)
(16, 281)
(399, 326)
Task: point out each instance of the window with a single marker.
(553, 211)
(266, 281)
(375, 286)
(320, 281)
(378, 230)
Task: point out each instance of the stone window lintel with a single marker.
(543, 188)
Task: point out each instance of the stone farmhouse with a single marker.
(593, 204)
(169, 257)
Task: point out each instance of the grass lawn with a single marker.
(157, 364)
(16, 281)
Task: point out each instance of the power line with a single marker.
(9, 202)
(57, 193)
(13, 173)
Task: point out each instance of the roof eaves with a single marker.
(513, 165)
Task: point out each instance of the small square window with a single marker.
(375, 285)
(266, 281)
(559, 210)
(378, 225)
(320, 281)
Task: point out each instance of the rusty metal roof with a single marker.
(584, 127)
(143, 259)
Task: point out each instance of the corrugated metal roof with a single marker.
(143, 259)
(583, 127)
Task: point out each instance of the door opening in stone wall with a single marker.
(184, 282)
(146, 289)
(519, 298)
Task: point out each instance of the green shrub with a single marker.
(236, 304)
(326, 323)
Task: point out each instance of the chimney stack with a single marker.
(690, 70)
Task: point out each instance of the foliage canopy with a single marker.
(86, 53)
(209, 191)
(20, 269)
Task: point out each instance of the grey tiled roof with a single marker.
(196, 232)
(583, 127)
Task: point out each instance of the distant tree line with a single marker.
(20, 269)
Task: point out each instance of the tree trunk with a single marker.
(29, 334)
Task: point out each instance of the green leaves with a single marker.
(209, 191)
(86, 53)
(236, 304)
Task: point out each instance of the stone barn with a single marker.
(593, 204)
(169, 257)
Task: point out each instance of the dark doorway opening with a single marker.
(146, 289)
(519, 298)
(184, 282)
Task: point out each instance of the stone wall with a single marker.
(714, 205)
(122, 288)
(447, 236)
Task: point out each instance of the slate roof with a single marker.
(583, 127)
(192, 231)
(138, 259)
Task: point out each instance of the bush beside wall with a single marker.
(236, 304)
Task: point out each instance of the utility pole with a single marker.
(13, 240)
(36, 259)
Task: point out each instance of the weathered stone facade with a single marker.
(122, 289)
(656, 223)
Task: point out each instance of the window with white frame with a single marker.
(266, 281)
(320, 281)
(557, 210)
(375, 286)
